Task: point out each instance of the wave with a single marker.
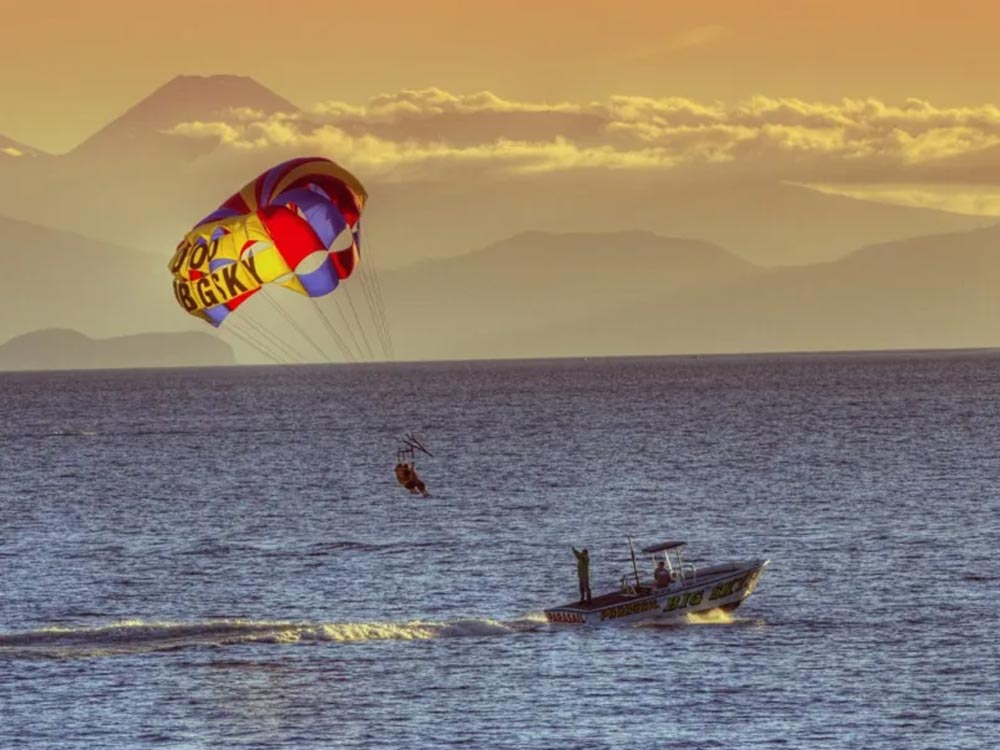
(977, 577)
(139, 636)
(57, 432)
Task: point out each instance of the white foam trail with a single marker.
(136, 636)
(711, 617)
(356, 632)
(708, 617)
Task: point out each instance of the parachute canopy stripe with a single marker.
(223, 212)
(346, 260)
(293, 237)
(341, 187)
(315, 206)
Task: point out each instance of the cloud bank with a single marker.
(430, 133)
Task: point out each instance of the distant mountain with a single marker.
(62, 349)
(536, 280)
(764, 223)
(60, 279)
(133, 182)
(544, 294)
(143, 128)
(926, 293)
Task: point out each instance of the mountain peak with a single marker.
(184, 98)
(215, 93)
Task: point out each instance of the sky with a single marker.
(70, 67)
(740, 123)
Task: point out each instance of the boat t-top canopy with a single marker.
(654, 548)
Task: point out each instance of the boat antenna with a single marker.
(634, 566)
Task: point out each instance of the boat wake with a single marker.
(707, 617)
(711, 617)
(139, 636)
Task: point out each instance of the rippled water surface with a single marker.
(222, 558)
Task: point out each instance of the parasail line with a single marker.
(374, 283)
(282, 346)
(380, 299)
(345, 350)
(361, 328)
(295, 324)
(346, 326)
(250, 342)
(373, 310)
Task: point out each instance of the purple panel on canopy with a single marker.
(273, 175)
(321, 281)
(324, 218)
(219, 214)
(216, 314)
(216, 263)
(312, 187)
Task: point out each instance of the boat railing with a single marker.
(685, 571)
(721, 569)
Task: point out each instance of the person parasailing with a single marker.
(406, 472)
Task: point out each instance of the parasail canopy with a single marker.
(297, 225)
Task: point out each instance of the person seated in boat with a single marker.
(662, 575)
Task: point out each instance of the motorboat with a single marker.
(676, 589)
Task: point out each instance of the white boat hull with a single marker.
(718, 587)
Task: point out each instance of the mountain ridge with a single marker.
(55, 278)
(871, 300)
(68, 349)
(502, 300)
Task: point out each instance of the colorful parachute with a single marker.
(296, 225)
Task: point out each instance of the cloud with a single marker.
(976, 200)
(412, 159)
(430, 102)
(428, 133)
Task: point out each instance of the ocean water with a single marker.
(222, 558)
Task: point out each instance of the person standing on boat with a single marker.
(583, 571)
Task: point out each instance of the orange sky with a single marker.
(66, 72)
